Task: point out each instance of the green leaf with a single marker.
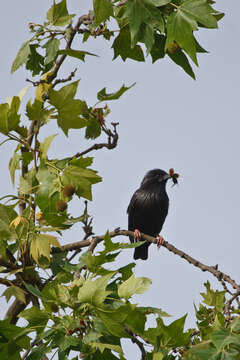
(48, 195)
(201, 11)
(158, 356)
(135, 320)
(37, 318)
(223, 337)
(181, 59)
(83, 162)
(114, 326)
(126, 271)
(235, 325)
(109, 245)
(140, 12)
(103, 96)
(173, 335)
(51, 47)
(9, 118)
(152, 310)
(69, 110)
(93, 292)
(203, 351)
(13, 340)
(45, 146)
(133, 286)
(214, 298)
(102, 347)
(46, 180)
(35, 61)
(7, 215)
(93, 129)
(28, 183)
(180, 28)
(122, 47)
(148, 38)
(37, 112)
(15, 291)
(94, 262)
(81, 178)
(14, 164)
(103, 9)
(79, 54)
(160, 2)
(4, 118)
(58, 14)
(21, 57)
(157, 51)
(33, 290)
(41, 246)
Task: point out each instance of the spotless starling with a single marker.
(148, 209)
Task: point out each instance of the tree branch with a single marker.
(111, 144)
(15, 309)
(117, 232)
(82, 20)
(137, 342)
(58, 81)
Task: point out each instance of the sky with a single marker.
(166, 120)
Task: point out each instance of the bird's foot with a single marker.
(137, 235)
(160, 241)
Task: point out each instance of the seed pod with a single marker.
(61, 205)
(173, 47)
(68, 190)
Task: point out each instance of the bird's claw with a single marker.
(160, 241)
(137, 235)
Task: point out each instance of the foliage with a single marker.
(84, 306)
(162, 27)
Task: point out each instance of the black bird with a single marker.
(148, 208)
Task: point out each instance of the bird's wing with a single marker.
(147, 212)
(138, 201)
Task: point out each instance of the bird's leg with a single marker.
(137, 235)
(160, 241)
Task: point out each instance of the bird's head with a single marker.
(158, 176)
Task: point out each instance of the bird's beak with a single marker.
(166, 177)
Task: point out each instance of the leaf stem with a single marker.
(174, 5)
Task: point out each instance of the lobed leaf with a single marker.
(21, 57)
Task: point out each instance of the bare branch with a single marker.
(58, 81)
(229, 303)
(111, 144)
(117, 232)
(5, 282)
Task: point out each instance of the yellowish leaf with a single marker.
(41, 246)
(43, 87)
(17, 221)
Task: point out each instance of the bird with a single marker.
(148, 209)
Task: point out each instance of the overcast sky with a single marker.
(167, 120)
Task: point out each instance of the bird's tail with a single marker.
(141, 252)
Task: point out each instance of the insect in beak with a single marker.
(174, 176)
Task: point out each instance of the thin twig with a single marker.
(82, 20)
(229, 302)
(58, 81)
(111, 144)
